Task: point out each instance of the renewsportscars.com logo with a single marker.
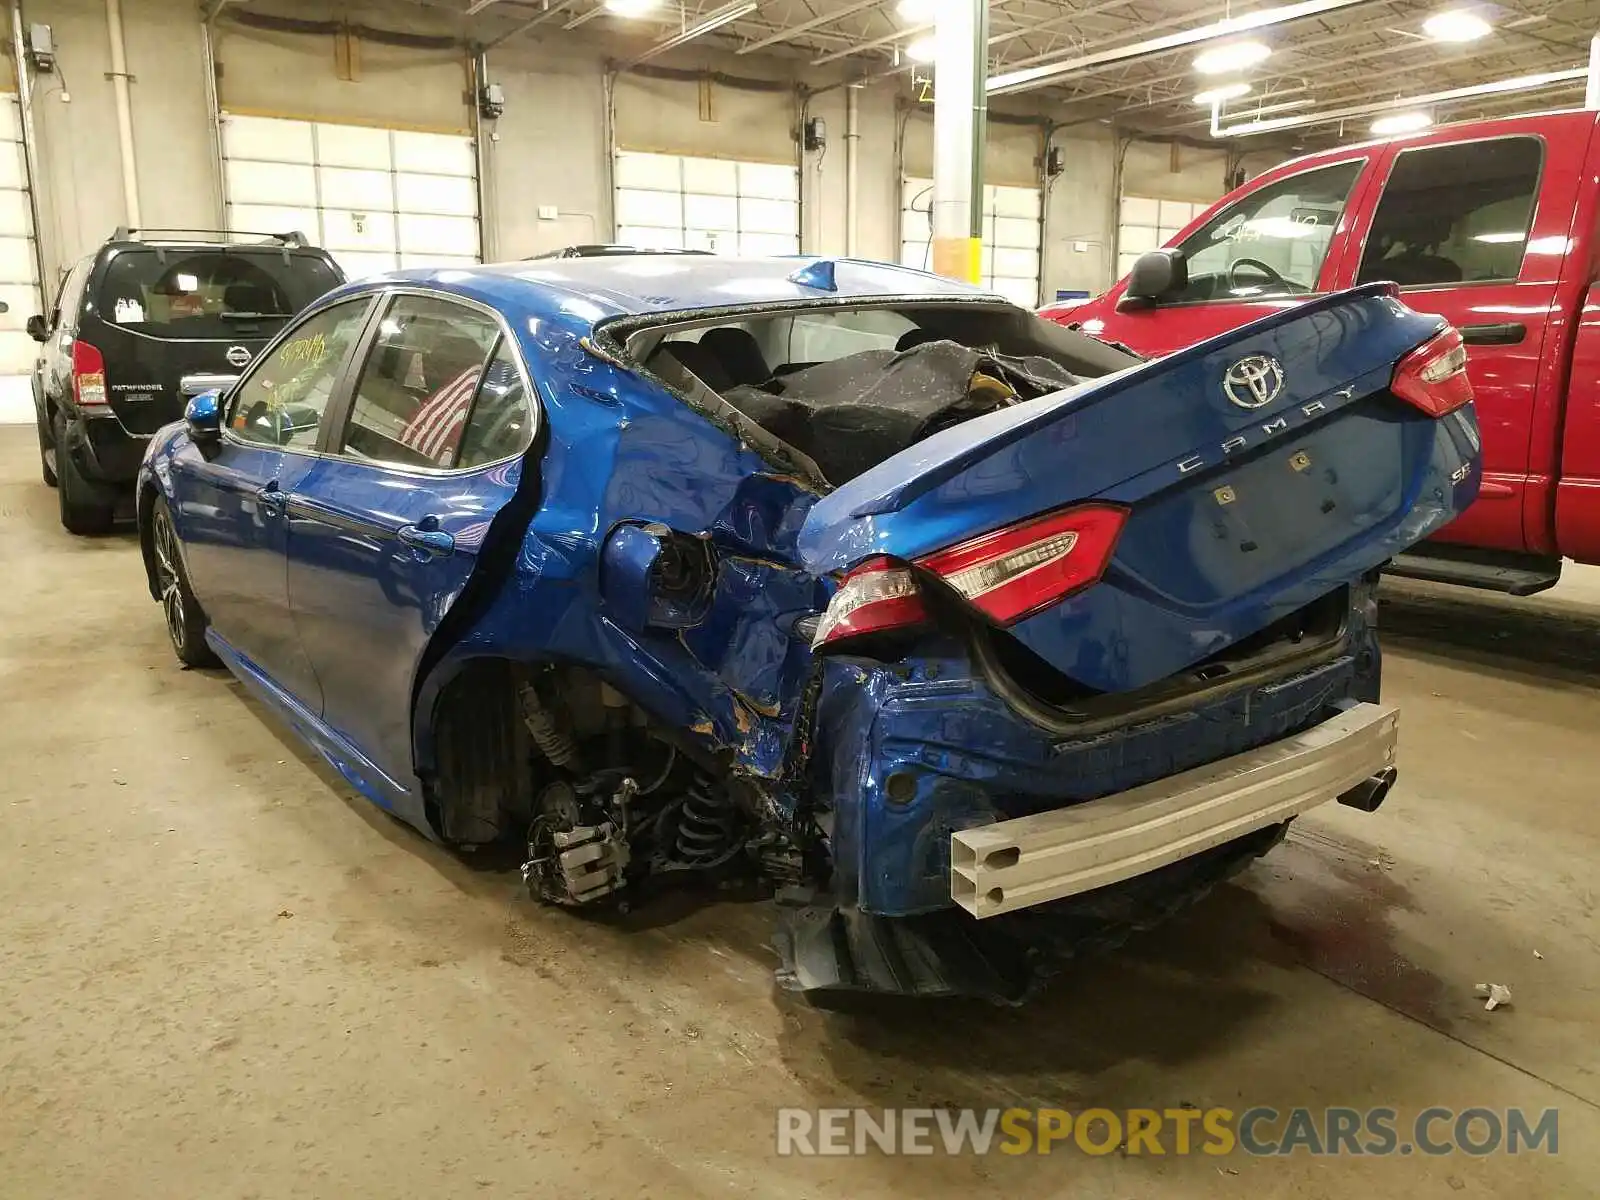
(1259, 1131)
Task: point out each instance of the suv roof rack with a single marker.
(293, 240)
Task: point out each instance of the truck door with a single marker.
(1269, 247)
(1476, 229)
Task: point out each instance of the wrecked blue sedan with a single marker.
(978, 640)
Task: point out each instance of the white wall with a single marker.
(549, 149)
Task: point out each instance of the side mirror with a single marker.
(38, 328)
(203, 416)
(1155, 276)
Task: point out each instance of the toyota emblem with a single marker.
(238, 356)
(1253, 382)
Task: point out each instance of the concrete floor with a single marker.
(222, 975)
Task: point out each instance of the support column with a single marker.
(960, 110)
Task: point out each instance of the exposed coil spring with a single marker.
(554, 742)
(707, 828)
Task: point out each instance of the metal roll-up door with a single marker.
(377, 198)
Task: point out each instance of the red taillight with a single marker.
(1014, 572)
(878, 595)
(88, 376)
(1433, 377)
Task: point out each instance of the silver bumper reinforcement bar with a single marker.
(1015, 864)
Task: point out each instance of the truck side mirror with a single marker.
(38, 330)
(1155, 275)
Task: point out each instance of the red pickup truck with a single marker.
(1492, 225)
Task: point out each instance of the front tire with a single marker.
(186, 620)
(84, 509)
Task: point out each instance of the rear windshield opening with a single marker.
(850, 387)
(207, 293)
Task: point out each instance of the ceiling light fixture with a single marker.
(711, 21)
(1228, 91)
(1406, 122)
(922, 50)
(1456, 25)
(631, 8)
(1498, 87)
(1235, 56)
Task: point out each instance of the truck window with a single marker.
(1270, 242)
(1455, 214)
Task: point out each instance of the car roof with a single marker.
(586, 292)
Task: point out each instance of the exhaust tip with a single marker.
(1370, 793)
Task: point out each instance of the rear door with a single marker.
(1274, 245)
(1477, 230)
(160, 313)
(385, 531)
(232, 498)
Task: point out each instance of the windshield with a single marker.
(209, 293)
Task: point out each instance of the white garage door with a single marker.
(1010, 258)
(19, 276)
(672, 202)
(1148, 224)
(378, 199)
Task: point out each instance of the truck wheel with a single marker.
(47, 451)
(186, 620)
(84, 509)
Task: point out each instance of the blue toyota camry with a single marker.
(976, 638)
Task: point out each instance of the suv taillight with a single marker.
(89, 377)
(1433, 377)
(1008, 574)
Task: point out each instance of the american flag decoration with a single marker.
(435, 431)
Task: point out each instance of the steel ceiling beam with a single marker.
(1028, 78)
(709, 22)
(907, 34)
(816, 22)
(1297, 72)
(1521, 83)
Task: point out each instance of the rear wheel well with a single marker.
(480, 779)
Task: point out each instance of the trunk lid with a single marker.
(1259, 470)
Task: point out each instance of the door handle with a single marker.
(272, 500)
(1508, 334)
(428, 541)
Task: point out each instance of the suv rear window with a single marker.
(208, 293)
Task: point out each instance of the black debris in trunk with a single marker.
(850, 414)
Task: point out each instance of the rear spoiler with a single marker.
(293, 240)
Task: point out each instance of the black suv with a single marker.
(149, 319)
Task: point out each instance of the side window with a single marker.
(501, 423)
(1272, 242)
(1455, 214)
(71, 296)
(418, 383)
(281, 402)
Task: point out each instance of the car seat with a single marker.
(739, 354)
